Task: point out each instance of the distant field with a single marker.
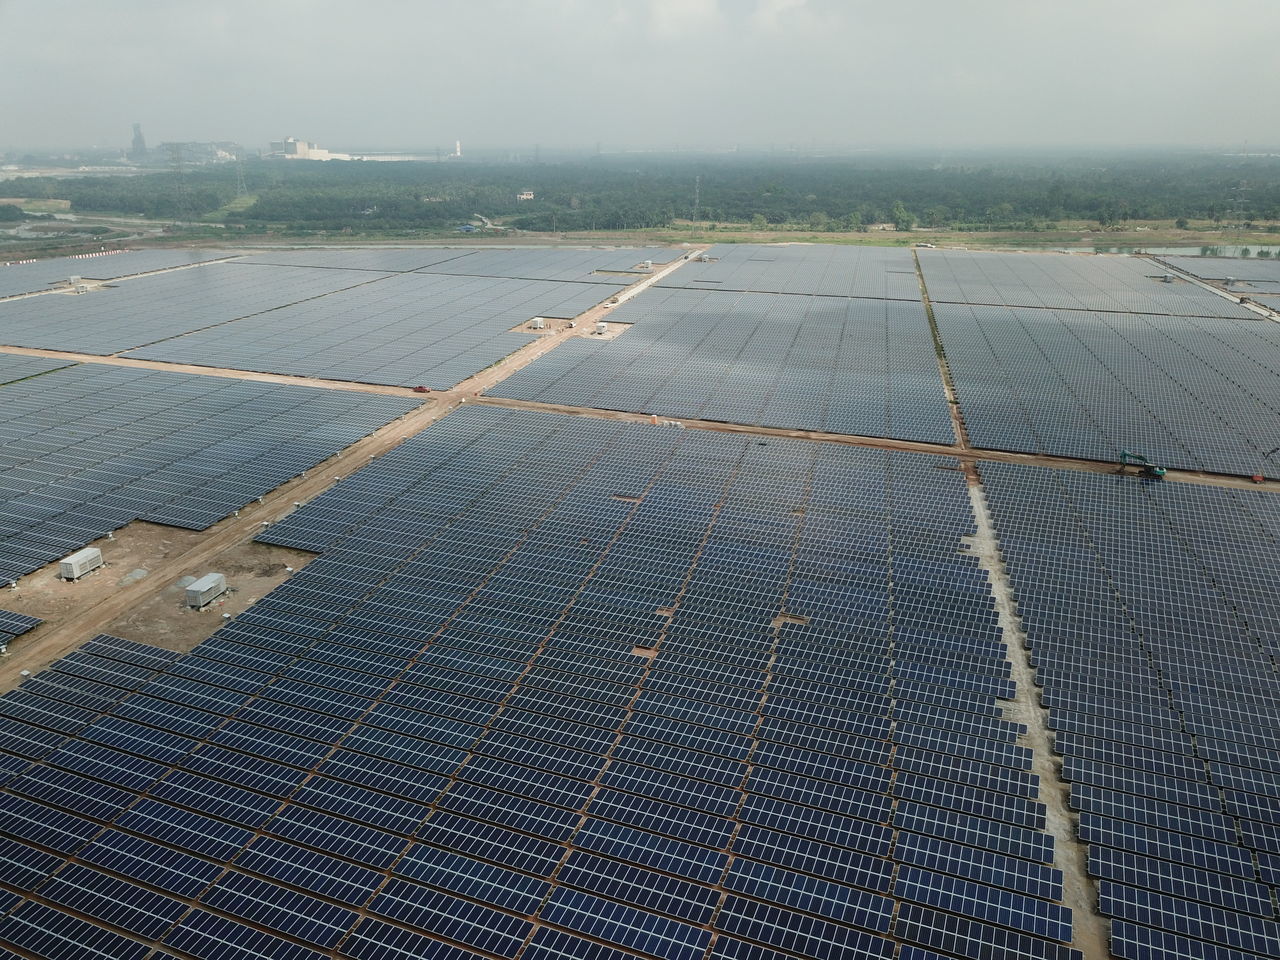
(1137, 234)
(38, 206)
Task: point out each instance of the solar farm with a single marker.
(735, 603)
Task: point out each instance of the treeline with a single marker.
(626, 192)
(160, 196)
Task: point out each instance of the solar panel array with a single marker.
(380, 259)
(1191, 392)
(534, 263)
(1259, 280)
(401, 329)
(556, 688)
(146, 309)
(1249, 269)
(86, 449)
(18, 278)
(14, 625)
(1152, 618)
(566, 688)
(406, 329)
(828, 270)
(530, 263)
(1068, 282)
(849, 366)
(14, 367)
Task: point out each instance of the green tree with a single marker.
(903, 219)
(1181, 223)
(1000, 213)
(758, 222)
(937, 216)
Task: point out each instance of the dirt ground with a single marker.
(164, 620)
(140, 546)
(142, 554)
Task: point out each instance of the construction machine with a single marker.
(1145, 467)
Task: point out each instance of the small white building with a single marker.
(526, 195)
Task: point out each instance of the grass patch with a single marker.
(238, 205)
(38, 206)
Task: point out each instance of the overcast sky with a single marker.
(379, 74)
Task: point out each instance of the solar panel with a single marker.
(964, 937)
(149, 308)
(1245, 269)
(46, 932)
(818, 363)
(1082, 383)
(824, 269)
(122, 444)
(1132, 941)
(418, 751)
(1163, 876)
(14, 368)
(970, 863)
(1062, 281)
(1189, 640)
(19, 278)
(1204, 922)
(405, 329)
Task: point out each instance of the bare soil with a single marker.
(139, 546)
(164, 620)
(146, 563)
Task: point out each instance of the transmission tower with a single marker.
(697, 195)
(182, 196)
(242, 189)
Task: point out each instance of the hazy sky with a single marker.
(369, 74)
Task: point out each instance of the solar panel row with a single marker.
(1248, 270)
(15, 625)
(1153, 628)
(566, 687)
(86, 449)
(406, 329)
(529, 263)
(378, 259)
(348, 324)
(820, 363)
(14, 367)
(582, 266)
(146, 309)
(1191, 392)
(1066, 282)
(802, 268)
(19, 278)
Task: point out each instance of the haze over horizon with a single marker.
(634, 74)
